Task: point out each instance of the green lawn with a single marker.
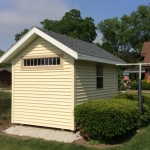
(141, 141)
(16, 143)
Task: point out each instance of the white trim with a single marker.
(8, 55)
(72, 95)
(97, 59)
(133, 64)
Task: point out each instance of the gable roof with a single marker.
(76, 48)
(5, 69)
(145, 52)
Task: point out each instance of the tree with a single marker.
(109, 28)
(18, 36)
(128, 31)
(73, 25)
(127, 57)
(4, 65)
(1, 52)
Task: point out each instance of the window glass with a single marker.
(50, 61)
(99, 76)
(28, 62)
(46, 61)
(58, 60)
(35, 62)
(42, 61)
(39, 62)
(54, 61)
(25, 63)
(31, 62)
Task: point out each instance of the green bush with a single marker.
(134, 85)
(145, 85)
(134, 96)
(145, 118)
(107, 119)
(132, 77)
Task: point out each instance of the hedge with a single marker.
(107, 119)
(145, 85)
(145, 118)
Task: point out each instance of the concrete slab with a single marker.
(44, 133)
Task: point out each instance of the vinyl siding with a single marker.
(43, 97)
(86, 81)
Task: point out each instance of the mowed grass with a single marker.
(16, 143)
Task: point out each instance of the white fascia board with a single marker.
(96, 59)
(36, 31)
(57, 43)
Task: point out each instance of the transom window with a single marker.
(52, 61)
(99, 76)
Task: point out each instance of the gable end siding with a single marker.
(43, 97)
(86, 81)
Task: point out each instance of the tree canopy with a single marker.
(18, 36)
(120, 35)
(1, 52)
(73, 25)
(130, 31)
(4, 65)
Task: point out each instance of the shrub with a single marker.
(145, 118)
(145, 85)
(134, 96)
(132, 77)
(134, 85)
(106, 119)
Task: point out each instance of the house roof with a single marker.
(7, 69)
(76, 48)
(145, 52)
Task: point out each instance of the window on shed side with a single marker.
(99, 76)
(53, 61)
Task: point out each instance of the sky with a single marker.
(16, 15)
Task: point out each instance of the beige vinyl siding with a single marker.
(86, 81)
(43, 97)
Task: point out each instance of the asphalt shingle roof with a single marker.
(82, 47)
(7, 69)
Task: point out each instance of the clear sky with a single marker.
(16, 15)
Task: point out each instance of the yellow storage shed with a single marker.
(51, 73)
